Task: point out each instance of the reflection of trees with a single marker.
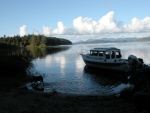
(37, 52)
(34, 52)
(15, 63)
(17, 60)
(42, 52)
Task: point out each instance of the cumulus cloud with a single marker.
(88, 26)
(23, 30)
(84, 25)
(106, 24)
(60, 30)
(47, 31)
(36, 32)
(138, 25)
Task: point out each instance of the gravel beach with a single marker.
(27, 101)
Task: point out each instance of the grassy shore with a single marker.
(27, 101)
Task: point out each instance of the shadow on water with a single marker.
(105, 77)
(112, 82)
(14, 70)
(15, 64)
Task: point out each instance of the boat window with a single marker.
(107, 53)
(100, 53)
(94, 53)
(118, 54)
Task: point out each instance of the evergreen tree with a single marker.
(33, 40)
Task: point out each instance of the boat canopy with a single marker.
(105, 49)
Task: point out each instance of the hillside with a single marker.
(114, 40)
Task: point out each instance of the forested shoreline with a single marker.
(32, 40)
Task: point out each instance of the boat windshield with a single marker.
(101, 53)
(94, 53)
(97, 53)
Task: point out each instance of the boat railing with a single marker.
(84, 52)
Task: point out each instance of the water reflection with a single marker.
(17, 65)
(65, 70)
(141, 50)
(43, 52)
(108, 82)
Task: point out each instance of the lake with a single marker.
(64, 71)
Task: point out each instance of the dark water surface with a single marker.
(65, 71)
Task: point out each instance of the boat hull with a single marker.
(115, 66)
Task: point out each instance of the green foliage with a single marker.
(33, 40)
(14, 69)
(16, 65)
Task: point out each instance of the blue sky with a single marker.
(75, 19)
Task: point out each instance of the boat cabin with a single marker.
(106, 53)
(106, 58)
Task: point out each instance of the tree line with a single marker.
(33, 40)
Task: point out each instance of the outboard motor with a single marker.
(134, 61)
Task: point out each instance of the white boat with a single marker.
(106, 58)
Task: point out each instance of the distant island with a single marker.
(33, 41)
(114, 40)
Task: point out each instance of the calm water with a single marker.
(65, 71)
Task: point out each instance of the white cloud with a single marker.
(106, 24)
(138, 25)
(23, 30)
(87, 28)
(84, 25)
(36, 32)
(60, 30)
(47, 31)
